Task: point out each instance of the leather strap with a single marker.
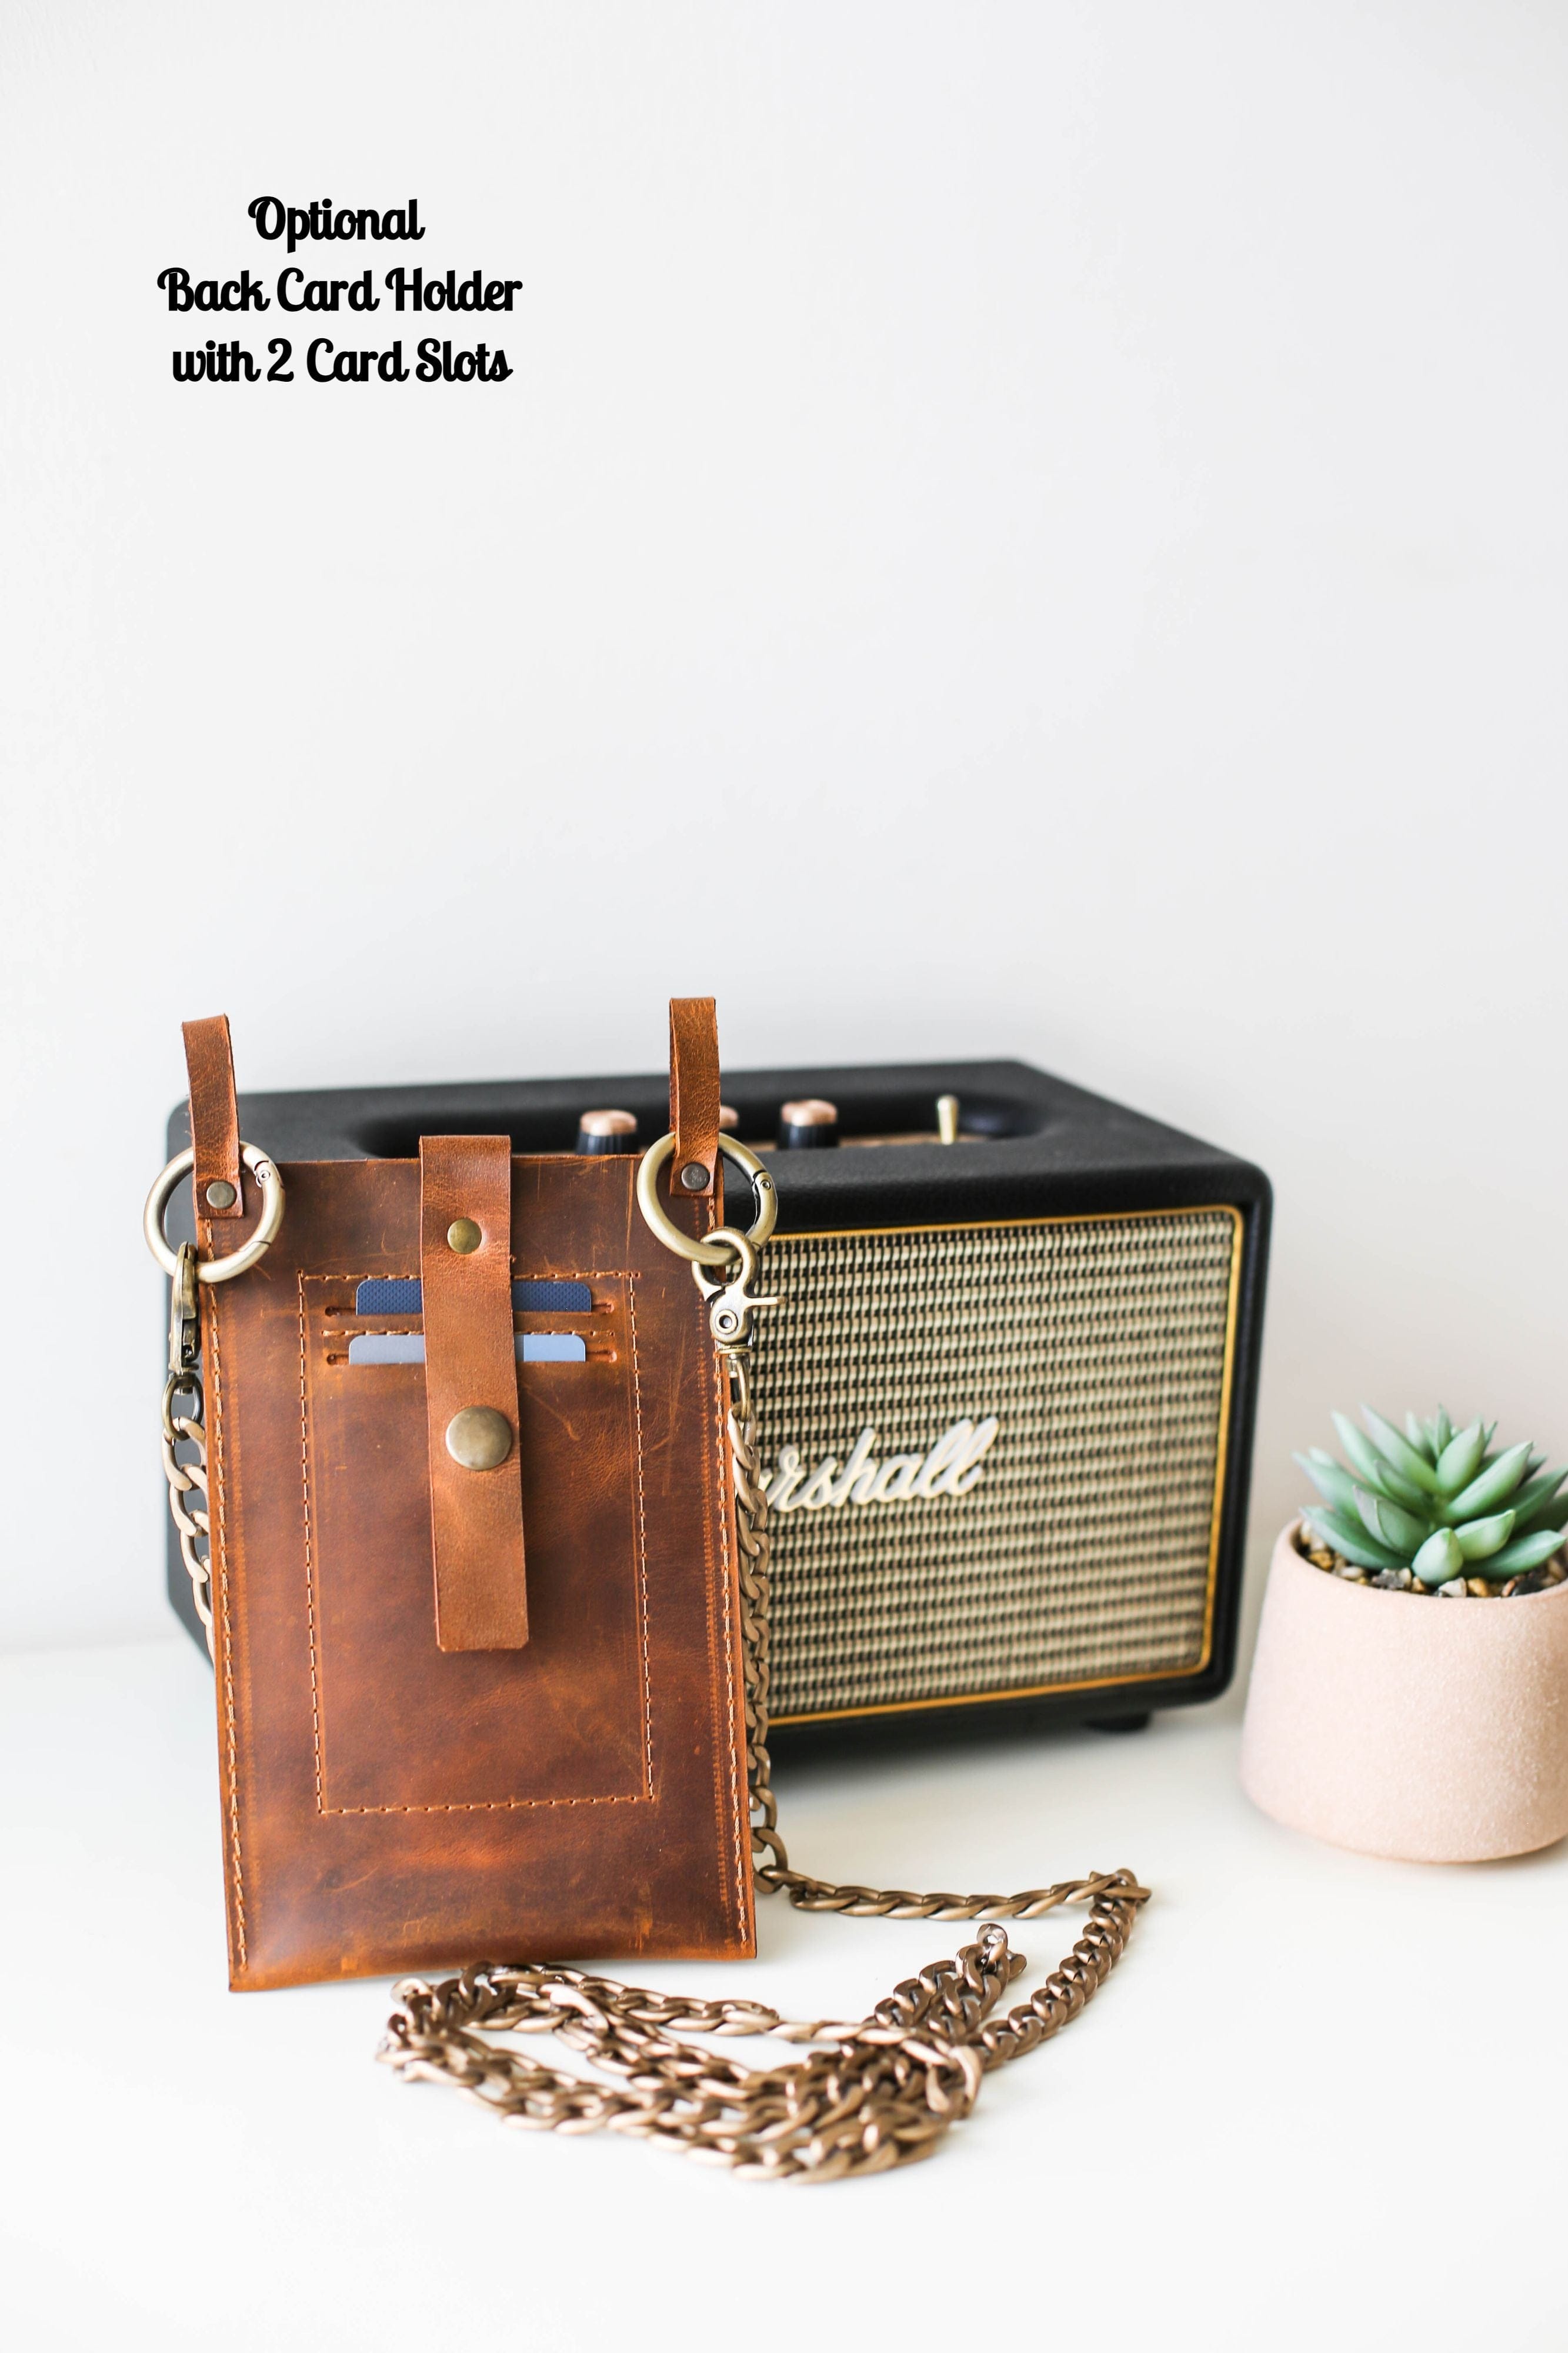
(475, 1514)
(215, 1118)
(693, 1094)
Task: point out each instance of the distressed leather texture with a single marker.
(389, 1805)
(476, 1516)
(214, 1119)
(693, 1093)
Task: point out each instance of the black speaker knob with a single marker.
(606, 1130)
(810, 1125)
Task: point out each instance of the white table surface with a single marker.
(1319, 2102)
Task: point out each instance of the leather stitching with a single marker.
(486, 1805)
(236, 1866)
(310, 1566)
(642, 1538)
(736, 1817)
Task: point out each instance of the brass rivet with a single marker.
(463, 1236)
(220, 1194)
(694, 1176)
(478, 1438)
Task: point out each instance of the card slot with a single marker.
(404, 1295)
(408, 1347)
(595, 1335)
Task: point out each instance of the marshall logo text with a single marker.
(952, 1467)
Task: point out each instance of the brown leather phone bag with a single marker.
(463, 1467)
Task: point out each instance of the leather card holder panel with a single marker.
(390, 1806)
(568, 1719)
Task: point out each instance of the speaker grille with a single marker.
(1085, 1550)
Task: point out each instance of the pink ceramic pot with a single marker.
(1435, 1730)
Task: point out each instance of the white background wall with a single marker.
(1030, 529)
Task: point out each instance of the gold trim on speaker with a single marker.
(1091, 1682)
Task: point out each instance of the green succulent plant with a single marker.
(1434, 1500)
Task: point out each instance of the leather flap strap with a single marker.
(471, 1392)
(214, 1120)
(693, 1095)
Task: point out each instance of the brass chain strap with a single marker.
(191, 1526)
(773, 1873)
(885, 2090)
(882, 2093)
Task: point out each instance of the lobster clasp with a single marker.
(185, 1318)
(731, 1304)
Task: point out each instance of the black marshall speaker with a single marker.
(1007, 1398)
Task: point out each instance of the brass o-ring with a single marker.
(692, 1246)
(238, 1261)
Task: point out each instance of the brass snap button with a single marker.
(478, 1438)
(463, 1236)
(220, 1194)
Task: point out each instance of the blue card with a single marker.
(404, 1295)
